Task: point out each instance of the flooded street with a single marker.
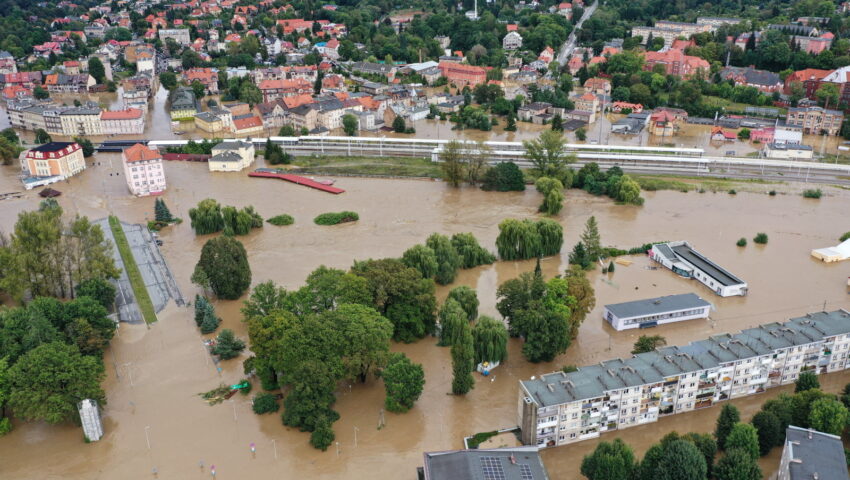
(159, 127)
(154, 375)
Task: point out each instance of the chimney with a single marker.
(810, 434)
(513, 461)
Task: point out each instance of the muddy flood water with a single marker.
(155, 420)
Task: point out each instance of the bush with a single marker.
(5, 426)
(281, 220)
(504, 177)
(732, 192)
(845, 237)
(246, 390)
(480, 438)
(760, 238)
(265, 403)
(772, 193)
(812, 193)
(227, 345)
(334, 218)
(742, 242)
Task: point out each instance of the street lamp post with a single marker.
(147, 437)
(129, 366)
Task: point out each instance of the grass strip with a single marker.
(133, 273)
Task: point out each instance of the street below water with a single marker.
(155, 421)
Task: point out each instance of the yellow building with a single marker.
(209, 122)
(231, 156)
(183, 104)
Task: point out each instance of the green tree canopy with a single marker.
(737, 464)
(503, 177)
(490, 340)
(463, 361)
(403, 381)
(729, 416)
(225, 262)
(467, 299)
(48, 381)
(452, 319)
(227, 345)
(768, 428)
(828, 415)
(448, 260)
(648, 343)
(471, 253)
(610, 461)
(743, 436)
(806, 381)
(422, 258)
(547, 153)
(400, 294)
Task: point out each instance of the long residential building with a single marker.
(655, 311)
(561, 408)
(683, 260)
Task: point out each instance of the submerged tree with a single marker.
(471, 253)
(591, 240)
(648, 343)
(518, 240)
(553, 196)
(452, 319)
(403, 381)
(467, 299)
(610, 461)
(463, 359)
(225, 263)
(448, 261)
(206, 217)
(490, 340)
(422, 258)
(452, 162)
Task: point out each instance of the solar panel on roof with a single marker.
(492, 468)
(525, 472)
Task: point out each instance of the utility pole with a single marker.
(356, 429)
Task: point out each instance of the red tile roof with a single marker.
(128, 114)
(247, 122)
(139, 152)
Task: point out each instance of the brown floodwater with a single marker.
(154, 375)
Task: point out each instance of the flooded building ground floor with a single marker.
(562, 408)
(169, 366)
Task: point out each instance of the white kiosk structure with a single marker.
(90, 418)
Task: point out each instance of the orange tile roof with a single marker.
(140, 152)
(247, 122)
(297, 100)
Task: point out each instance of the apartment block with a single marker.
(561, 408)
(816, 120)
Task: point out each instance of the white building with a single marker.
(90, 419)
(560, 408)
(179, 35)
(655, 311)
(143, 170)
(788, 151)
(130, 121)
(512, 41)
(231, 156)
(687, 262)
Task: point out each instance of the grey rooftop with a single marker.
(520, 463)
(593, 381)
(655, 306)
(815, 455)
